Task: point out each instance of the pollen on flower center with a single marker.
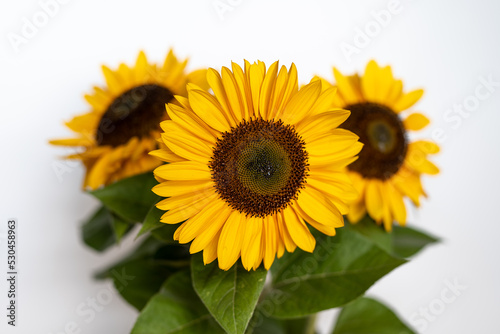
(133, 114)
(384, 138)
(259, 166)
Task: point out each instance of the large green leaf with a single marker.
(230, 296)
(130, 198)
(104, 229)
(409, 241)
(367, 315)
(176, 309)
(402, 241)
(340, 270)
(139, 276)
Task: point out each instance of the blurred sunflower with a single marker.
(389, 166)
(251, 164)
(123, 124)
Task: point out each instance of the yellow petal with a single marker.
(356, 212)
(184, 171)
(374, 204)
(208, 109)
(301, 103)
(255, 77)
(298, 230)
(212, 229)
(369, 82)
(233, 95)
(396, 203)
(284, 234)
(73, 142)
(196, 224)
(416, 121)
(347, 89)
(321, 123)
(231, 240)
(407, 100)
(266, 90)
(425, 146)
(270, 235)
(317, 206)
(177, 188)
(210, 253)
(250, 250)
(186, 208)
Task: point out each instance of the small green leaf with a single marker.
(340, 270)
(104, 229)
(161, 231)
(376, 233)
(129, 198)
(97, 232)
(230, 296)
(402, 241)
(409, 241)
(176, 309)
(152, 220)
(260, 324)
(120, 227)
(367, 315)
(138, 277)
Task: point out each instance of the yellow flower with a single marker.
(389, 166)
(121, 128)
(252, 163)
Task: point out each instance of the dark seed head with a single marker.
(135, 113)
(259, 166)
(384, 138)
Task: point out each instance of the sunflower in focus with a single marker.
(252, 164)
(122, 126)
(389, 166)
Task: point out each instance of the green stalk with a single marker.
(311, 324)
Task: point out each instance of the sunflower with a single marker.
(389, 165)
(253, 163)
(123, 124)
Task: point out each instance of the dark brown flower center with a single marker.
(135, 113)
(259, 166)
(384, 138)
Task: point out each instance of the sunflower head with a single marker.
(123, 123)
(252, 164)
(389, 165)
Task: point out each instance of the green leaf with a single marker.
(161, 231)
(176, 309)
(138, 277)
(376, 233)
(104, 229)
(402, 241)
(340, 270)
(129, 198)
(367, 315)
(120, 227)
(260, 324)
(409, 241)
(231, 296)
(152, 221)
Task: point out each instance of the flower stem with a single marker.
(311, 324)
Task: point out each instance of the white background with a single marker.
(443, 46)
